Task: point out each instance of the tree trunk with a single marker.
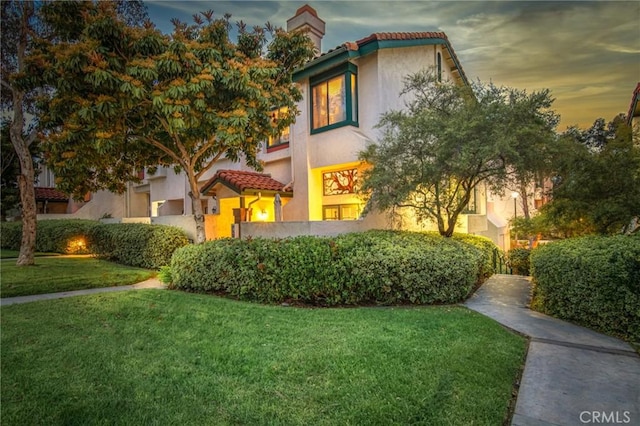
(196, 205)
(21, 146)
(27, 193)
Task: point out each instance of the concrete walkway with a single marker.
(572, 375)
(150, 283)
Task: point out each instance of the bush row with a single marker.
(383, 267)
(137, 244)
(70, 236)
(134, 244)
(518, 260)
(593, 281)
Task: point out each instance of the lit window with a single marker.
(338, 183)
(334, 99)
(282, 138)
(341, 212)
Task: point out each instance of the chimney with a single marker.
(306, 19)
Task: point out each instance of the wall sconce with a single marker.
(262, 215)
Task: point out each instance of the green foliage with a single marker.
(67, 236)
(449, 139)
(127, 97)
(382, 267)
(487, 248)
(518, 260)
(597, 187)
(137, 244)
(593, 281)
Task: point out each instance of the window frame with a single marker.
(339, 207)
(280, 144)
(349, 72)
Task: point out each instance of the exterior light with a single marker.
(262, 215)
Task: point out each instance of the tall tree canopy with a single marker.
(25, 29)
(597, 182)
(449, 139)
(128, 97)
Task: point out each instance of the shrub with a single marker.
(518, 260)
(383, 267)
(137, 244)
(593, 281)
(487, 247)
(67, 236)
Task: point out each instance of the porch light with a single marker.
(262, 215)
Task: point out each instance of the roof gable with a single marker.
(245, 182)
(377, 41)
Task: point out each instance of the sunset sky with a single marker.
(586, 52)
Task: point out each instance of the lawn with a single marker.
(165, 357)
(56, 274)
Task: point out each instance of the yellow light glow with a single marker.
(262, 215)
(76, 245)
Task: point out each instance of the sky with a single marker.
(587, 53)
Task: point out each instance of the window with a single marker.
(334, 99)
(341, 212)
(282, 138)
(472, 207)
(439, 65)
(338, 183)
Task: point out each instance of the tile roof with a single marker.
(402, 36)
(351, 46)
(50, 194)
(241, 181)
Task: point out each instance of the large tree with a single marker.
(597, 182)
(126, 98)
(449, 139)
(24, 29)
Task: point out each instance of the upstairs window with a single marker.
(334, 99)
(282, 138)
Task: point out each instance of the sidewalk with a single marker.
(572, 375)
(150, 283)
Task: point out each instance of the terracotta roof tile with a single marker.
(50, 194)
(242, 181)
(306, 8)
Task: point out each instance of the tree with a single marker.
(24, 27)
(127, 98)
(448, 140)
(597, 184)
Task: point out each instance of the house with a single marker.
(307, 186)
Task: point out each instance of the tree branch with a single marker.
(209, 164)
(164, 149)
(175, 138)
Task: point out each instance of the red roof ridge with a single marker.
(241, 180)
(50, 193)
(306, 8)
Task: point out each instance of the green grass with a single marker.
(13, 254)
(50, 275)
(164, 357)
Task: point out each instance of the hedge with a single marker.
(381, 267)
(519, 260)
(593, 281)
(137, 244)
(134, 244)
(67, 236)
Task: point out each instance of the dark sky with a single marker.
(586, 52)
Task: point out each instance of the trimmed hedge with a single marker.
(67, 236)
(518, 260)
(593, 281)
(487, 247)
(382, 267)
(137, 244)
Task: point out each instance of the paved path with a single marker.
(150, 283)
(572, 375)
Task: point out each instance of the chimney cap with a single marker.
(306, 8)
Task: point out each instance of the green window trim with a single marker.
(348, 72)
